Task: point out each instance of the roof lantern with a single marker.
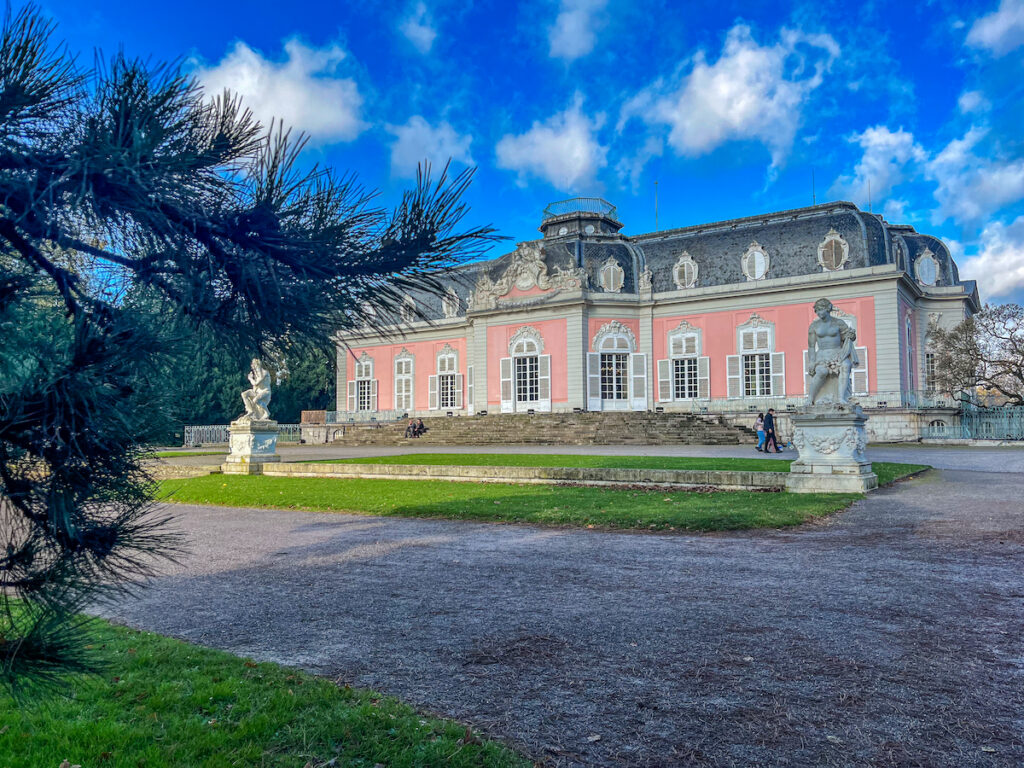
(580, 216)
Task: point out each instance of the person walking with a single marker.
(759, 428)
(771, 438)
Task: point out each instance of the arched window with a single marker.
(362, 392)
(832, 252)
(526, 373)
(685, 271)
(685, 373)
(758, 370)
(445, 387)
(612, 276)
(616, 373)
(404, 380)
(755, 262)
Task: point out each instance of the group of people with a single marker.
(767, 439)
(416, 428)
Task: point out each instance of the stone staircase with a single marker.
(643, 428)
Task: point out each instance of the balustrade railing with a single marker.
(217, 434)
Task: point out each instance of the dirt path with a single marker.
(892, 635)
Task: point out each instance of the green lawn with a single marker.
(501, 502)
(167, 703)
(887, 472)
(179, 454)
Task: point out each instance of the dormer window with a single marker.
(755, 262)
(684, 273)
(450, 303)
(832, 252)
(408, 310)
(612, 276)
(927, 268)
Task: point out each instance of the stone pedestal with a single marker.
(253, 444)
(832, 441)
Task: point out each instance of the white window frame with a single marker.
(685, 342)
(616, 338)
(526, 343)
(612, 276)
(446, 382)
(679, 271)
(927, 255)
(363, 387)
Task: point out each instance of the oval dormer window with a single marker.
(684, 273)
(755, 262)
(612, 276)
(927, 268)
(832, 252)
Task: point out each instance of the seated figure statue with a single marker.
(257, 399)
(831, 357)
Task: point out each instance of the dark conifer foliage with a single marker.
(133, 175)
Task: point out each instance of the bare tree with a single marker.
(134, 168)
(986, 350)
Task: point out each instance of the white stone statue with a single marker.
(257, 399)
(831, 357)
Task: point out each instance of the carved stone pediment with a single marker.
(756, 321)
(685, 327)
(527, 270)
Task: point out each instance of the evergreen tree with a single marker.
(135, 169)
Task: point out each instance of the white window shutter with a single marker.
(778, 374)
(762, 340)
(676, 346)
(432, 396)
(664, 380)
(459, 384)
(544, 382)
(470, 401)
(732, 376)
(373, 395)
(351, 396)
(860, 372)
(747, 340)
(704, 378)
(593, 381)
(505, 368)
(638, 381)
(690, 345)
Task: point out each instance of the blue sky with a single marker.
(732, 107)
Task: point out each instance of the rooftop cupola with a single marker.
(584, 216)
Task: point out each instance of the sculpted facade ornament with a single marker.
(450, 303)
(614, 328)
(526, 270)
(526, 333)
(926, 268)
(685, 327)
(256, 399)
(646, 283)
(756, 321)
(831, 357)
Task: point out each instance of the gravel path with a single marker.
(890, 635)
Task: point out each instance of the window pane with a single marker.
(527, 384)
(613, 376)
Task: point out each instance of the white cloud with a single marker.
(305, 90)
(418, 28)
(998, 265)
(971, 187)
(1000, 31)
(752, 92)
(574, 33)
(973, 101)
(630, 168)
(882, 166)
(895, 210)
(417, 140)
(563, 150)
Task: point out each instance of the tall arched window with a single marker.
(526, 373)
(685, 373)
(362, 392)
(445, 387)
(758, 370)
(616, 373)
(404, 380)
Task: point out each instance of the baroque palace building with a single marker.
(710, 318)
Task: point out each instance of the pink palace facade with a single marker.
(710, 318)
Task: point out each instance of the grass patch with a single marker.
(175, 704)
(500, 502)
(178, 454)
(889, 472)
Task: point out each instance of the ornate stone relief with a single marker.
(526, 270)
(526, 332)
(646, 281)
(612, 276)
(756, 321)
(613, 328)
(685, 327)
(833, 252)
(685, 271)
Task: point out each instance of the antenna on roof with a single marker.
(655, 206)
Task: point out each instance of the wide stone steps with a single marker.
(556, 429)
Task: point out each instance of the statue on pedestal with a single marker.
(257, 399)
(831, 357)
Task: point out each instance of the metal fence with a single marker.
(980, 424)
(910, 399)
(217, 434)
